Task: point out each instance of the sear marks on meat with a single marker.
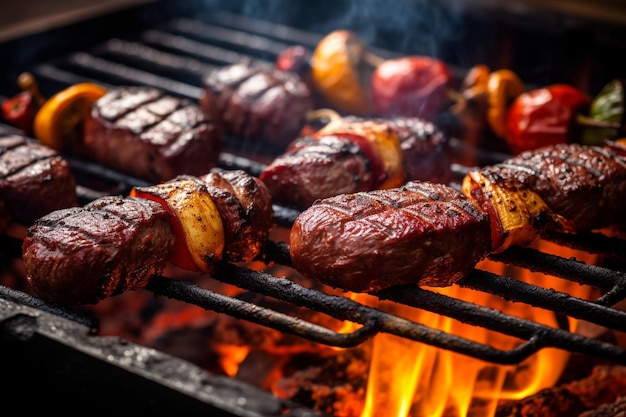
(566, 187)
(583, 186)
(421, 233)
(311, 169)
(256, 102)
(245, 206)
(145, 133)
(81, 255)
(34, 179)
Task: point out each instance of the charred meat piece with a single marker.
(421, 233)
(257, 102)
(311, 169)
(424, 148)
(81, 255)
(245, 206)
(34, 179)
(567, 187)
(145, 133)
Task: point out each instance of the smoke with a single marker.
(427, 27)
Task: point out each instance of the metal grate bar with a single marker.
(146, 56)
(125, 74)
(535, 260)
(375, 321)
(255, 45)
(183, 45)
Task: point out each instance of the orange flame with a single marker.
(411, 379)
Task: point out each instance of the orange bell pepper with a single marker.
(503, 86)
(341, 68)
(59, 123)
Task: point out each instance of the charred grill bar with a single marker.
(150, 47)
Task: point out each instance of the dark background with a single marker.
(579, 42)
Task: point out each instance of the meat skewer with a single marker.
(569, 188)
(84, 254)
(353, 154)
(430, 234)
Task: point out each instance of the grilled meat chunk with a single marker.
(421, 233)
(81, 255)
(566, 187)
(311, 169)
(424, 148)
(34, 179)
(145, 133)
(257, 102)
(245, 206)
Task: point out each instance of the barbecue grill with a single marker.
(170, 45)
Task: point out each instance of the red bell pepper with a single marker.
(411, 86)
(545, 116)
(19, 111)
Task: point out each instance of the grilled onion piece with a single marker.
(196, 221)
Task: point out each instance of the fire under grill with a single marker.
(172, 54)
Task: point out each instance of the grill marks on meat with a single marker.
(421, 233)
(311, 169)
(584, 186)
(145, 133)
(34, 179)
(256, 102)
(81, 255)
(579, 188)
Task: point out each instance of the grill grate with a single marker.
(174, 55)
